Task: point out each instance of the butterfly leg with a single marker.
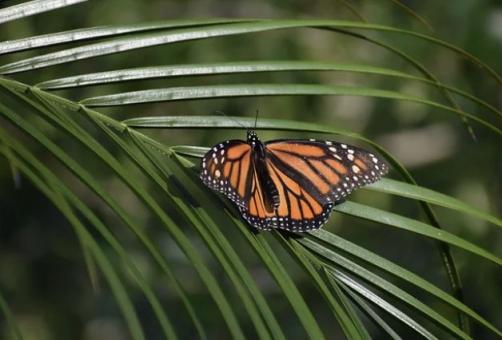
(253, 230)
(340, 201)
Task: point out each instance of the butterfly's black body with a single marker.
(288, 184)
(271, 196)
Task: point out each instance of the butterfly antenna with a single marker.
(231, 118)
(256, 119)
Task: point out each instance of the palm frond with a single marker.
(161, 179)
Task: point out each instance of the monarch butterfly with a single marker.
(289, 184)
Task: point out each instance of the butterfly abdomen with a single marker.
(270, 193)
(269, 190)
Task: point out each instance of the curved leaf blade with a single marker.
(246, 90)
(390, 186)
(400, 272)
(116, 285)
(13, 327)
(142, 73)
(33, 7)
(224, 30)
(199, 264)
(377, 300)
(181, 70)
(394, 220)
(92, 33)
(372, 314)
(381, 283)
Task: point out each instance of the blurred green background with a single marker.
(42, 272)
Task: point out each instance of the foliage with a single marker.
(157, 241)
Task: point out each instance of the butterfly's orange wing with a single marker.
(310, 177)
(328, 170)
(298, 210)
(227, 168)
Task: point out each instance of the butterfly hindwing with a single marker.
(297, 211)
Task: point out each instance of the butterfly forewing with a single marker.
(328, 170)
(227, 168)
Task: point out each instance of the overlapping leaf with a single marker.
(321, 255)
